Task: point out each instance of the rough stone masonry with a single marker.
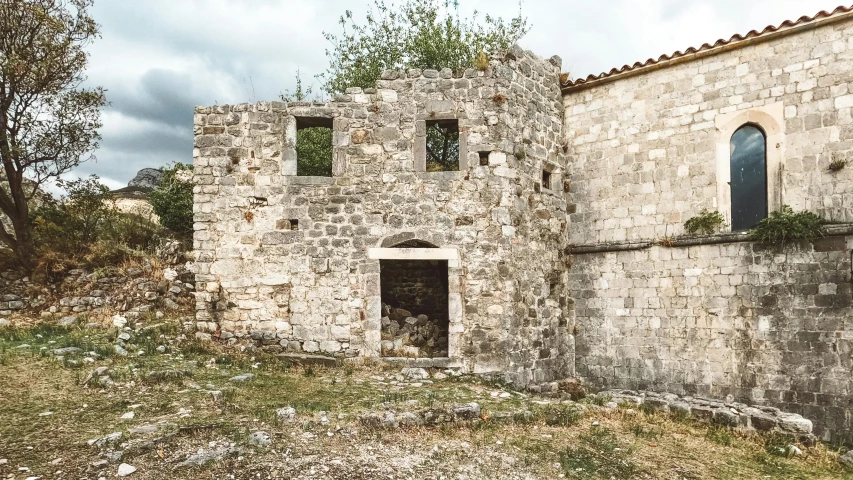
(298, 258)
(562, 229)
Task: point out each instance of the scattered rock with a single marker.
(467, 411)
(409, 419)
(415, 373)
(242, 377)
(66, 351)
(260, 439)
(847, 458)
(371, 420)
(125, 469)
(143, 429)
(206, 456)
(68, 321)
(128, 415)
(170, 274)
(106, 440)
(120, 350)
(389, 420)
(286, 414)
(119, 321)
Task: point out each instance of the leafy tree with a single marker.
(48, 123)
(313, 144)
(416, 34)
(172, 200)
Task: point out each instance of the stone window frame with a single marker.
(373, 300)
(290, 129)
(419, 154)
(769, 118)
(556, 173)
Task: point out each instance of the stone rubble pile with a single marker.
(132, 291)
(408, 335)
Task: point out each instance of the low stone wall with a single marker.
(722, 316)
(731, 414)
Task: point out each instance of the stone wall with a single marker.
(317, 287)
(717, 316)
(644, 149)
(767, 326)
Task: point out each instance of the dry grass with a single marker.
(540, 444)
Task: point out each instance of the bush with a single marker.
(706, 222)
(785, 225)
(85, 229)
(77, 220)
(172, 200)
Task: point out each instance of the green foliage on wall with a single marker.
(706, 222)
(785, 225)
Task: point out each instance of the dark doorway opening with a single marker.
(415, 316)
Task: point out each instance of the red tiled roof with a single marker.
(568, 84)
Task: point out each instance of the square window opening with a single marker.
(285, 224)
(546, 179)
(484, 158)
(442, 145)
(313, 147)
(415, 313)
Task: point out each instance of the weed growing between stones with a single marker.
(837, 165)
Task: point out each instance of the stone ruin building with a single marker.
(552, 243)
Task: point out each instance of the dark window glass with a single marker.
(749, 177)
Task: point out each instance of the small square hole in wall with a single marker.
(313, 147)
(284, 224)
(546, 179)
(442, 145)
(484, 158)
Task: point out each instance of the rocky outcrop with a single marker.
(147, 178)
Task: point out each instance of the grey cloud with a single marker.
(194, 52)
(161, 96)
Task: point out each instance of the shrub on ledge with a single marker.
(706, 222)
(785, 225)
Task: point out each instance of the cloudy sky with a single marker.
(160, 58)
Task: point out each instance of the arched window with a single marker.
(748, 149)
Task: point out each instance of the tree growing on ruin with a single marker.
(423, 34)
(48, 121)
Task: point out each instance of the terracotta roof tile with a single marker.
(567, 83)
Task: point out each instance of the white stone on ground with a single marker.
(125, 469)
